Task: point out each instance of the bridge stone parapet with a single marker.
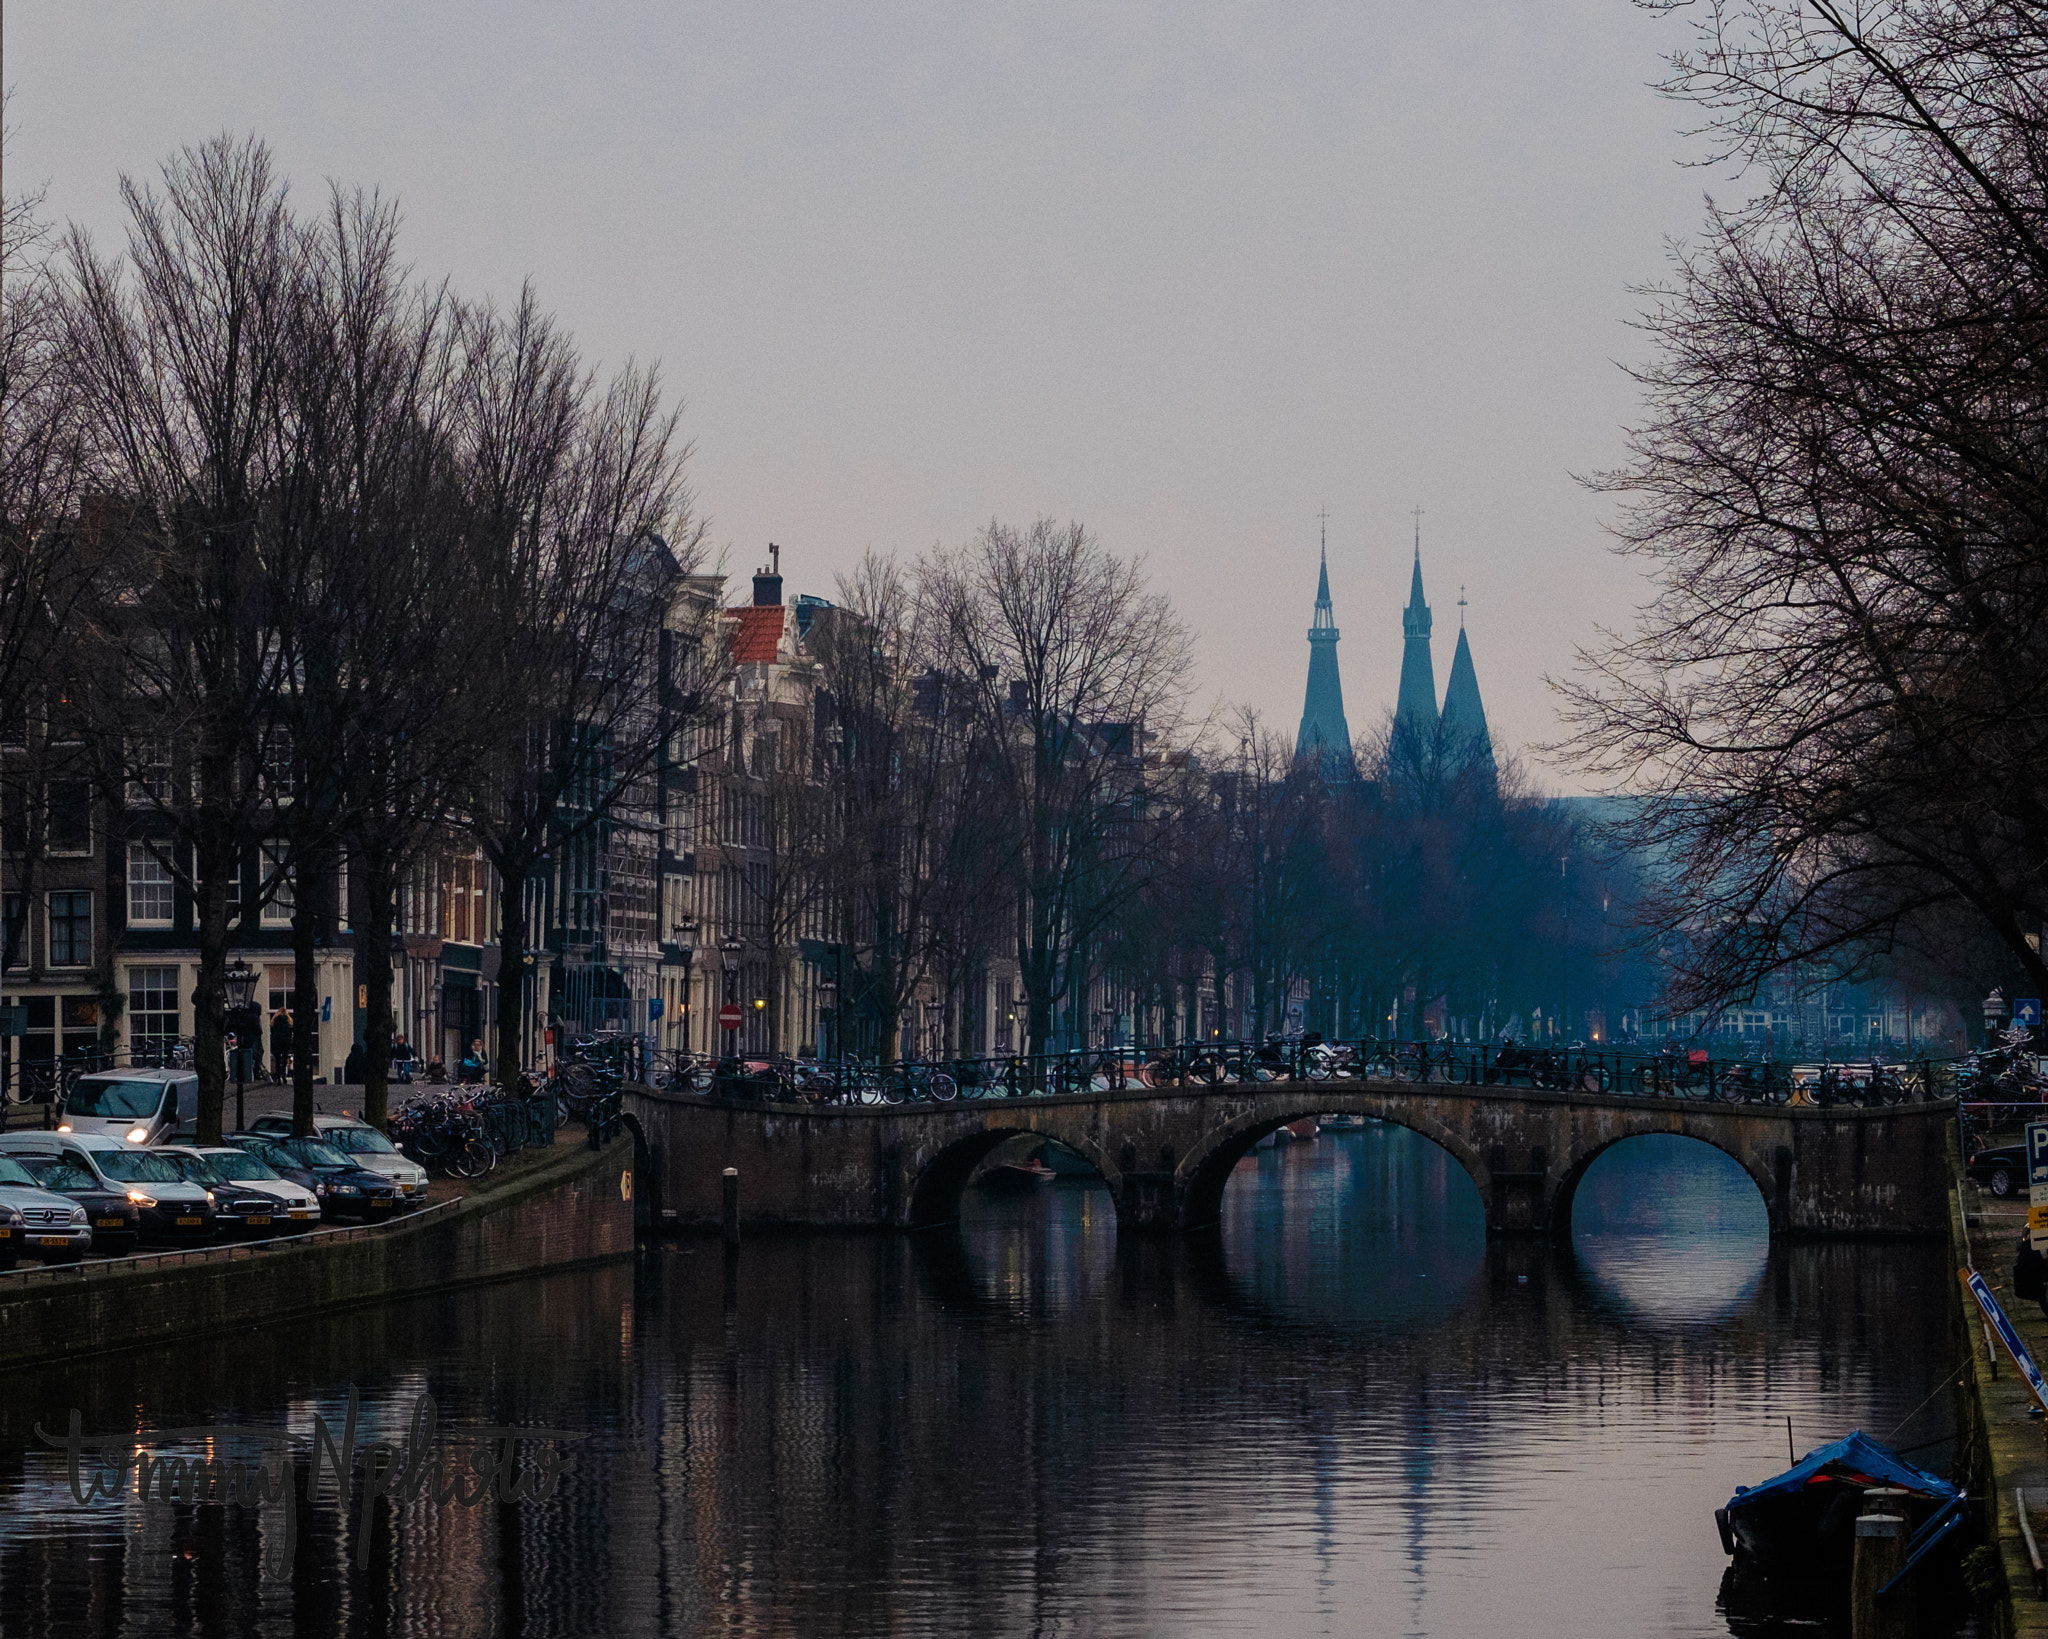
(1166, 1154)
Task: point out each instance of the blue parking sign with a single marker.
(2026, 1010)
(2037, 1154)
(653, 1008)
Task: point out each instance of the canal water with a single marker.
(1344, 1413)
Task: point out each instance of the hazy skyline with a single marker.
(1186, 273)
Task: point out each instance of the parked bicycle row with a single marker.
(1666, 1074)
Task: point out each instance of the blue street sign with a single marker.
(653, 1008)
(326, 1009)
(2037, 1155)
(2026, 1010)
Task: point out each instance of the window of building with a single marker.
(278, 907)
(14, 927)
(150, 759)
(70, 817)
(71, 928)
(152, 1009)
(150, 897)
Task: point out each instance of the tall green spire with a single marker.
(1464, 718)
(1415, 711)
(1324, 732)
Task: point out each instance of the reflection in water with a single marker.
(1672, 1231)
(1344, 1411)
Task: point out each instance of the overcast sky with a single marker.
(1187, 271)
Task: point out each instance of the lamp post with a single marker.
(240, 981)
(1994, 1010)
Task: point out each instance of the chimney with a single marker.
(768, 582)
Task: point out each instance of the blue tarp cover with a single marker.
(1855, 1455)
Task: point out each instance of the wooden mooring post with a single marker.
(731, 1205)
(1883, 1532)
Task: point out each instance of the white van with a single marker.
(137, 1105)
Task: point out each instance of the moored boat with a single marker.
(1803, 1522)
(1018, 1174)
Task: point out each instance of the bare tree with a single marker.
(178, 359)
(1072, 664)
(576, 532)
(1835, 706)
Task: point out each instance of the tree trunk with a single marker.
(305, 1007)
(373, 972)
(209, 992)
(511, 969)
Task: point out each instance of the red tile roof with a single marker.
(757, 633)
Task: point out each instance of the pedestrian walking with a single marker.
(475, 1063)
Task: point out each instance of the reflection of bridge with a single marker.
(1166, 1155)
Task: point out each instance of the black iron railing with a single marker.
(1688, 1074)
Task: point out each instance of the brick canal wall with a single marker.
(2001, 1452)
(567, 1210)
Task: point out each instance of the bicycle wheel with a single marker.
(944, 1089)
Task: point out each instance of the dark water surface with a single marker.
(1344, 1414)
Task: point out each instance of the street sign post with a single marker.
(729, 1017)
(653, 1008)
(2037, 1184)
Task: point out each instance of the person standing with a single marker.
(281, 1044)
(475, 1063)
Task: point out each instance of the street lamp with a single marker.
(240, 981)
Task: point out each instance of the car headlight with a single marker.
(63, 1126)
(210, 1201)
(141, 1199)
(9, 1216)
(78, 1215)
(138, 1135)
(343, 1189)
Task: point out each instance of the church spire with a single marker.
(1415, 710)
(1324, 732)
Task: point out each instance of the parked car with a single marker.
(2003, 1170)
(139, 1106)
(172, 1210)
(345, 1190)
(116, 1221)
(271, 1202)
(236, 1211)
(36, 1222)
(361, 1143)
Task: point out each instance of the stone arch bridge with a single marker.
(1165, 1155)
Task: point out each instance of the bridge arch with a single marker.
(935, 1193)
(1206, 1168)
(1576, 1162)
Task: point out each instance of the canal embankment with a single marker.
(555, 1209)
(2001, 1450)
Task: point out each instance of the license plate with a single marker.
(56, 1240)
(259, 1217)
(110, 1223)
(188, 1223)
(302, 1214)
(6, 1234)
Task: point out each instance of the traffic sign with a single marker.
(2037, 1182)
(729, 1019)
(653, 1008)
(2026, 1010)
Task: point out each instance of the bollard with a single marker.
(732, 1206)
(1882, 1535)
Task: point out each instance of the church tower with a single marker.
(1464, 718)
(1324, 732)
(1415, 713)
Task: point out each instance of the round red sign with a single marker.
(729, 1016)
